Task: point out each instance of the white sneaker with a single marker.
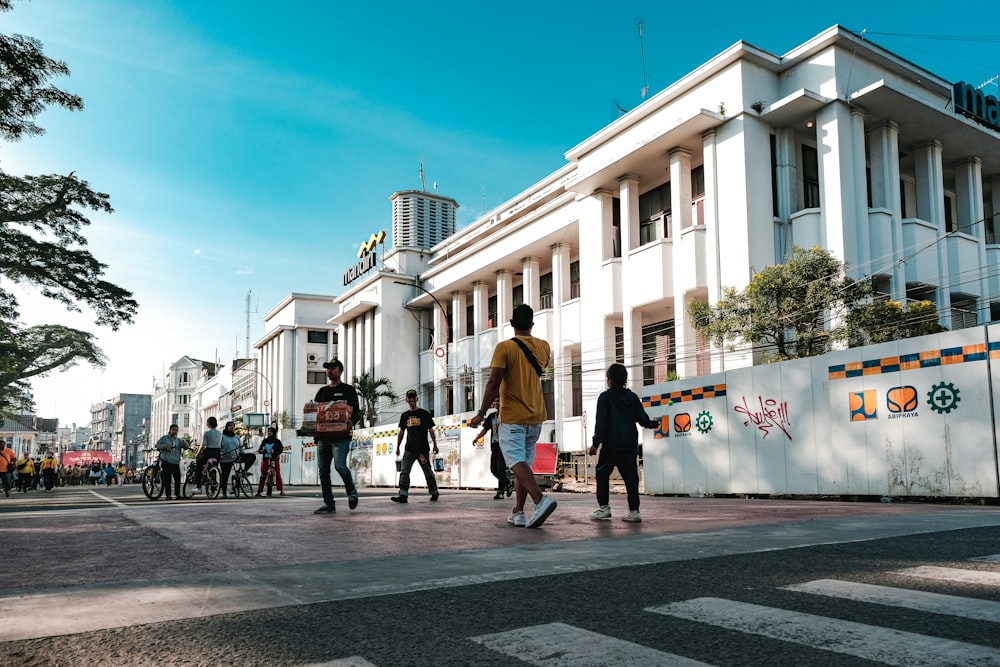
(516, 518)
(542, 511)
(632, 516)
(602, 512)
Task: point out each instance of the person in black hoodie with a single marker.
(618, 411)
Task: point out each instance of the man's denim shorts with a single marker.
(517, 442)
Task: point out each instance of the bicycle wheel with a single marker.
(188, 481)
(213, 482)
(247, 484)
(152, 482)
(270, 481)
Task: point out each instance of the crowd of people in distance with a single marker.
(23, 473)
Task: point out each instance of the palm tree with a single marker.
(370, 389)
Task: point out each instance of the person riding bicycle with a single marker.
(211, 448)
(229, 451)
(270, 452)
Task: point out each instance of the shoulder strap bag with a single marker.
(530, 356)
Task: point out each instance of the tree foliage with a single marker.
(370, 389)
(41, 234)
(803, 307)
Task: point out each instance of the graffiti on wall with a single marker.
(766, 414)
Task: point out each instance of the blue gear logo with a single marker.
(704, 422)
(943, 397)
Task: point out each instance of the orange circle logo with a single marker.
(901, 399)
(682, 423)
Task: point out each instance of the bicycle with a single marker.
(152, 481)
(271, 477)
(212, 479)
(241, 482)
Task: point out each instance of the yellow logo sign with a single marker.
(370, 244)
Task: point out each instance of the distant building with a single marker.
(72, 437)
(102, 426)
(421, 219)
(131, 411)
(28, 433)
(171, 401)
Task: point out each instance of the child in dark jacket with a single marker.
(618, 411)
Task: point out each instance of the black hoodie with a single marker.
(618, 411)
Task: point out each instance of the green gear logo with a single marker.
(943, 397)
(704, 422)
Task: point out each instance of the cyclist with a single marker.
(171, 447)
(270, 452)
(229, 452)
(211, 448)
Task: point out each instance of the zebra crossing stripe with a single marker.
(353, 661)
(952, 574)
(892, 647)
(558, 644)
(936, 603)
(992, 558)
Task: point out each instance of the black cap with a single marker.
(334, 363)
(411, 393)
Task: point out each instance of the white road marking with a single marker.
(992, 558)
(936, 603)
(892, 647)
(952, 574)
(558, 644)
(353, 661)
(108, 499)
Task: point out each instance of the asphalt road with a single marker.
(100, 576)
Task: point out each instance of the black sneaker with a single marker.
(352, 500)
(398, 499)
(326, 509)
(434, 497)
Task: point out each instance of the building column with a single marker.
(972, 221)
(562, 379)
(713, 270)
(529, 284)
(596, 238)
(786, 175)
(685, 341)
(480, 302)
(348, 347)
(929, 172)
(631, 319)
(840, 197)
(505, 298)
(883, 147)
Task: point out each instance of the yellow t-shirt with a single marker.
(521, 400)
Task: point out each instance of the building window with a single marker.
(470, 320)
(518, 297)
(545, 291)
(616, 223)
(698, 195)
(187, 420)
(185, 377)
(657, 357)
(576, 375)
(574, 280)
(316, 377)
(315, 336)
(173, 418)
(949, 219)
(963, 313)
(654, 214)
(183, 399)
(548, 393)
(491, 313)
(774, 176)
(810, 177)
(620, 345)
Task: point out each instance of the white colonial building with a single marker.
(838, 144)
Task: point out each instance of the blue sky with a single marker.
(249, 146)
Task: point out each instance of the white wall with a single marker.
(808, 426)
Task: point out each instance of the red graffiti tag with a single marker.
(771, 415)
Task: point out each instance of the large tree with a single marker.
(802, 307)
(42, 219)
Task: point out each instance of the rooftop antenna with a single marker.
(423, 179)
(642, 53)
(619, 107)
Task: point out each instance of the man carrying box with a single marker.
(333, 435)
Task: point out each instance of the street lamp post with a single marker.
(270, 393)
(444, 311)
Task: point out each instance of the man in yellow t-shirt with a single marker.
(49, 467)
(7, 457)
(515, 376)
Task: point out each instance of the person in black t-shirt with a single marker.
(332, 448)
(416, 423)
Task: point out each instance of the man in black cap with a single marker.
(334, 448)
(416, 423)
